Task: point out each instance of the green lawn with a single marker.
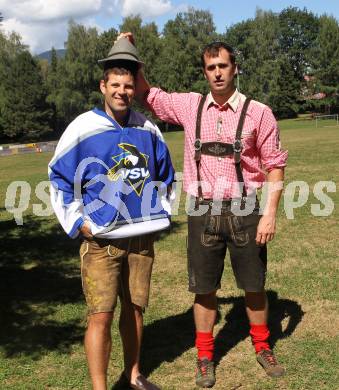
(42, 311)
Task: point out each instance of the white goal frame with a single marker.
(324, 117)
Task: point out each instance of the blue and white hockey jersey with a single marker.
(114, 177)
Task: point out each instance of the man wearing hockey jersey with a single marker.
(110, 177)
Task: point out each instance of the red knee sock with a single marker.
(260, 335)
(205, 344)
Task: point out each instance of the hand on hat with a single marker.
(127, 35)
(142, 85)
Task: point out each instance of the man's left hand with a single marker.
(127, 35)
(265, 230)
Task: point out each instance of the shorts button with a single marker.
(219, 158)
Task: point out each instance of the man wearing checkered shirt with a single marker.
(228, 157)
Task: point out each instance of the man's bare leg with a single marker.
(205, 312)
(98, 348)
(256, 307)
(131, 327)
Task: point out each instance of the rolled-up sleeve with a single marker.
(268, 143)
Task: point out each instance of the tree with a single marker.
(106, 41)
(10, 48)
(268, 74)
(283, 95)
(182, 42)
(24, 112)
(325, 63)
(298, 32)
(10, 45)
(52, 83)
(257, 47)
(78, 74)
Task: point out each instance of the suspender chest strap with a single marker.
(237, 151)
(221, 149)
(198, 146)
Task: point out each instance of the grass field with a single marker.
(42, 311)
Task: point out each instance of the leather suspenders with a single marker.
(221, 149)
(197, 142)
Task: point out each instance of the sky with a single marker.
(43, 23)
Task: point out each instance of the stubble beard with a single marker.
(117, 113)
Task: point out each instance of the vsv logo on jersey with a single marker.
(131, 166)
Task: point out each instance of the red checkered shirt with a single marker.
(260, 138)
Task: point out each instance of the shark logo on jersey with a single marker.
(130, 166)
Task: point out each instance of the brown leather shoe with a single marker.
(141, 383)
(205, 375)
(269, 362)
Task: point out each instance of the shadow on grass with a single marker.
(175, 226)
(40, 273)
(236, 328)
(37, 275)
(166, 339)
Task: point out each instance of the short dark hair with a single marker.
(212, 50)
(120, 67)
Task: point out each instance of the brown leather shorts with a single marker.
(116, 267)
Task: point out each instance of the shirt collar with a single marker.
(129, 120)
(233, 101)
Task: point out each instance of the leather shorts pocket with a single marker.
(240, 236)
(211, 230)
(112, 251)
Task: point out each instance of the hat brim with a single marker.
(120, 56)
